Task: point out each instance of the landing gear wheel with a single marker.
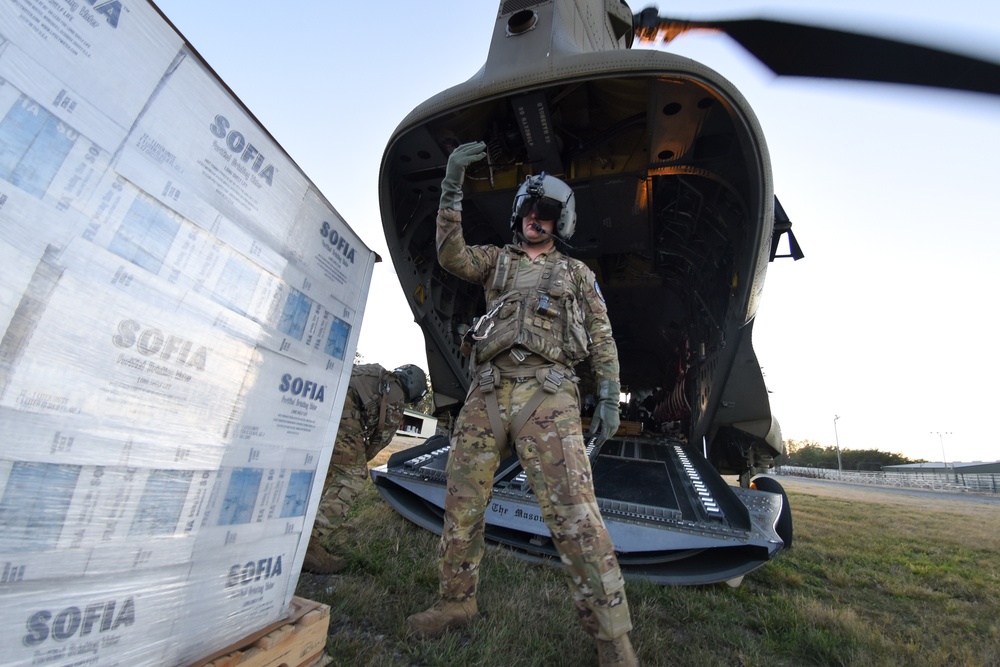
(784, 524)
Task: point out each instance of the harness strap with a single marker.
(487, 387)
(383, 406)
(501, 270)
(550, 379)
(368, 398)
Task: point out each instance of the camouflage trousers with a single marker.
(551, 451)
(345, 480)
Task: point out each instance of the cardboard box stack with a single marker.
(179, 310)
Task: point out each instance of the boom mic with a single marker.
(540, 230)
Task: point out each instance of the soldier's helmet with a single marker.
(414, 381)
(551, 198)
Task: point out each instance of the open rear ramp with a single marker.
(672, 517)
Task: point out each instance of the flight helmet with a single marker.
(551, 199)
(413, 380)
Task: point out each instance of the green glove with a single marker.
(454, 175)
(606, 419)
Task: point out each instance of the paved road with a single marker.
(928, 498)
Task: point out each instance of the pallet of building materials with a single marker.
(297, 641)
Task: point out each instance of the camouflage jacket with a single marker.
(370, 385)
(478, 264)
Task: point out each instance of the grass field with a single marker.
(874, 578)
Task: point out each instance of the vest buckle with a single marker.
(552, 380)
(487, 380)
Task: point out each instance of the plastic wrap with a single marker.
(179, 310)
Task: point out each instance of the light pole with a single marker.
(840, 465)
(944, 459)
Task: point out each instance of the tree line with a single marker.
(810, 454)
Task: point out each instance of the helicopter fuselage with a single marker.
(675, 215)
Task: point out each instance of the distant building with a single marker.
(417, 424)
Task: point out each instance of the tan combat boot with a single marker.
(320, 561)
(444, 615)
(616, 653)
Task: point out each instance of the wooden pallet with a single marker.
(297, 641)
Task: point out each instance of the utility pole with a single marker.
(840, 465)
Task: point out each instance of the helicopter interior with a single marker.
(676, 262)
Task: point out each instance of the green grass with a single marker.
(867, 583)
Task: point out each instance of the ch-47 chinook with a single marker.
(678, 219)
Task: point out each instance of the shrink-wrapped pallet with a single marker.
(179, 310)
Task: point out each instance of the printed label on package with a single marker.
(115, 620)
(334, 257)
(45, 157)
(205, 145)
(150, 235)
(285, 402)
(258, 499)
(78, 440)
(93, 506)
(87, 43)
(249, 585)
(139, 362)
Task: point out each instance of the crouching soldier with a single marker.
(373, 411)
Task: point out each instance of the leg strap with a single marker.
(488, 376)
(550, 377)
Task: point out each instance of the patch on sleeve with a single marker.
(597, 289)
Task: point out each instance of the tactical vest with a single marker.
(534, 307)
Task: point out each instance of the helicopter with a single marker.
(677, 217)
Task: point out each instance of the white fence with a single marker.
(953, 481)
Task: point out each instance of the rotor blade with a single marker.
(800, 50)
(792, 49)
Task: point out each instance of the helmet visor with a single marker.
(543, 207)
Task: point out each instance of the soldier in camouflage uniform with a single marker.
(373, 411)
(545, 314)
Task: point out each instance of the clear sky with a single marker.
(891, 319)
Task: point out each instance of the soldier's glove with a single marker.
(454, 175)
(606, 419)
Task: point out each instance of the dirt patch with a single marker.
(399, 443)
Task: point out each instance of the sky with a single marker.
(883, 337)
